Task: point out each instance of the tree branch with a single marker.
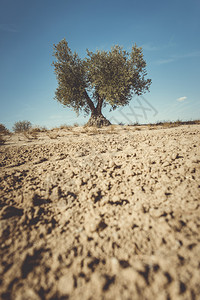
(99, 105)
(89, 101)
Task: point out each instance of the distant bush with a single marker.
(37, 129)
(2, 140)
(43, 129)
(34, 130)
(21, 126)
(3, 129)
(65, 126)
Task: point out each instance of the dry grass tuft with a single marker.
(170, 124)
(55, 129)
(32, 133)
(30, 136)
(92, 130)
(37, 129)
(151, 127)
(138, 128)
(112, 129)
(66, 127)
(4, 130)
(52, 135)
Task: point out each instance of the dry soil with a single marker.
(101, 214)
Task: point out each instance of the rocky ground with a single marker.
(101, 214)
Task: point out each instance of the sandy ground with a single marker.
(101, 214)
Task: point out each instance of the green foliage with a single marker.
(110, 76)
(116, 75)
(22, 126)
(71, 76)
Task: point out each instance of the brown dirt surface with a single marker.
(101, 214)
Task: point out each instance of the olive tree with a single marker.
(103, 77)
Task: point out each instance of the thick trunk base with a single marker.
(98, 121)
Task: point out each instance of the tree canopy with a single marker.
(103, 77)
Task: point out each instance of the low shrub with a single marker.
(22, 126)
(65, 126)
(35, 129)
(3, 129)
(2, 140)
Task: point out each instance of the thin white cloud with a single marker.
(177, 57)
(181, 99)
(150, 47)
(186, 55)
(164, 61)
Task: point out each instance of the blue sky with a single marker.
(168, 31)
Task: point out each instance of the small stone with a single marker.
(111, 164)
(114, 265)
(27, 293)
(174, 155)
(66, 284)
(196, 159)
(155, 212)
(166, 164)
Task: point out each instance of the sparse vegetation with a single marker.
(3, 129)
(171, 124)
(22, 126)
(2, 140)
(43, 129)
(37, 129)
(65, 126)
(27, 136)
(55, 129)
(53, 135)
(31, 133)
(92, 130)
(111, 129)
(137, 128)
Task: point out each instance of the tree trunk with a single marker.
(97, 118)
